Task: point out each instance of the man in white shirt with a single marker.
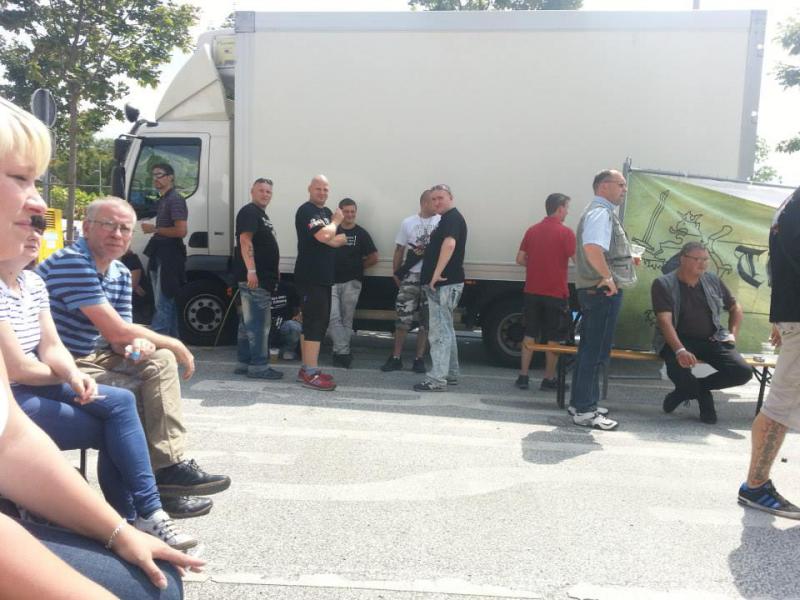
(411, 240)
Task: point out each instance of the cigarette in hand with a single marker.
(98, 397)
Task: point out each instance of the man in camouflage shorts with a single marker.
(411, 305)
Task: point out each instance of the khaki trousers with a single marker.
(156, 384)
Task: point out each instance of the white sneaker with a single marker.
(600, 409)
(594, 420)
(161, 526)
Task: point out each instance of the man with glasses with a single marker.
(255, 265)
(90, 299)
(688, 303)
(443, 277)
(166, 250)
(603, 265)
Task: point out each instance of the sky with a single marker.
(779, 112)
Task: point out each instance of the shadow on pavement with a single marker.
(765, 563)
(562, 443)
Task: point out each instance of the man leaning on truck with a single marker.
(313, 274)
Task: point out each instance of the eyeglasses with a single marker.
(703, 259)
(111, 227)
(441, 187)
(160, 175)
(38, 223)
(263, 180)
(621, 184)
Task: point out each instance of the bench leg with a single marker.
(83, 463)
(764, 378)
(604, 368)
(561, 375)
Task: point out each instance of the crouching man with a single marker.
(688, 303)
(90, 299)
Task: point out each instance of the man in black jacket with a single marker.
(781, 409)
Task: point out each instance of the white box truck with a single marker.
(505, 107)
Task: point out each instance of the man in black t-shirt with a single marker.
(352, 258)
(255, 266)
(443, 279)
(313, 274)
(688, 304)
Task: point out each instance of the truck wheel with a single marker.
(202, 306)
(503, 330)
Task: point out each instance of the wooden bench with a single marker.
(761, 365)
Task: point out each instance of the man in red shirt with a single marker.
(545, 252)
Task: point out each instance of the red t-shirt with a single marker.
(549, 245)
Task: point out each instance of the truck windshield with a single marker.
(184, 156)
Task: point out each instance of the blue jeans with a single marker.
(290, 335)
(598, 322)
(252, 344)
(165, 317)
(441, 333)
(110, 425)
(105, 568)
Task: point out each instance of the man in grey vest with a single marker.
(603, 267)
(688, 303)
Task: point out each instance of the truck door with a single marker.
(188, 156)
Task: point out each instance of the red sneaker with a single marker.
(301, 376)
(318, 382)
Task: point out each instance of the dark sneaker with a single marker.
(301, 374)
(342, 360)
(767, 498)
(186, 507)
(186, 478)
(594, 420)
(708, 413)
(240, 370)
(522, 382)
(418, 366)
(268, 373)
(672, 400)
(551, 384)
(429, 386)
(599, 409)
(318, 382)
(393, 363)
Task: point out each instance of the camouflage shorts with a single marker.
(411, 304)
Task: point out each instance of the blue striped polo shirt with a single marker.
(21, 310)
(73, 283)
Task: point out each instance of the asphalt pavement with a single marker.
(375, 491)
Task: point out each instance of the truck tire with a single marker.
(202, 306)
(503, 330)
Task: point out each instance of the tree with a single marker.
(496, 4)
(789, 73)
(763, 172)
(82, 50)
(94, 164)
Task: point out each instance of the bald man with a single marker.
(313, 275)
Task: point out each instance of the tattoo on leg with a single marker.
(765, 449)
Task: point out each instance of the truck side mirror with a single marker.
(121, 147)
(118, 181)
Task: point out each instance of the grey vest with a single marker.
(618, 255)
(712, 288)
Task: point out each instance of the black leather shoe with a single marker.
(186, 478)
(672, 400)
(708, 413)
(186, 507)
(342, 360)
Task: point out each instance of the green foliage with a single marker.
(764, 173)
(81, 50)
(59, 196)
(788, 73)
(95, 160)
(496, 4)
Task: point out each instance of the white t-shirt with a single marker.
(416, 231)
